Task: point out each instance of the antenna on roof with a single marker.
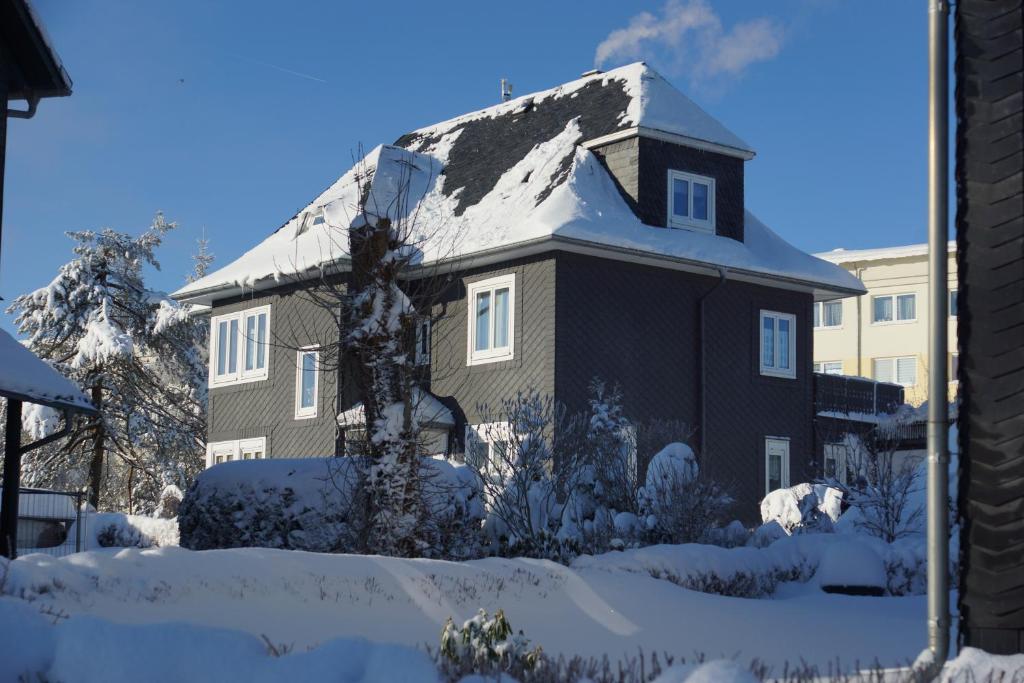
(506, 90)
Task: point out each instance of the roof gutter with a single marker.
(664, 136)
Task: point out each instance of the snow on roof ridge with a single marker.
(842, 255)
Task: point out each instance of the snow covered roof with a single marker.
(25, 377)
(858, 255)
(518, 178)
(427, 409)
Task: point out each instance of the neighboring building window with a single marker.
(954, 367)
(487, 445)
(243, 449)
(776, 455)
(901, 370)
(691, 201)
(829, 367)
(837, 465)
(894, 308)
(491, 320)
(239, 346)
(828, 314)
(307, 383)
(778, 344)
(423, 341)
(952, 303)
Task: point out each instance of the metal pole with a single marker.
(938, 412)
(12, 481)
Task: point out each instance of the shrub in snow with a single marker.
(676, 504)
(486, 645)
(170, 500)
(118, 530)
(802, 508)
(313, 504)
(853, 568)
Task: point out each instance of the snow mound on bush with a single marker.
(803, 505)
(851, 564)
(715, 671)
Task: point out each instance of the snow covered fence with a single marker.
(310, 504)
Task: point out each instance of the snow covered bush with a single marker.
(313, 504)
(803, 508)
(676, 504)
(486, 644)
(118, 530)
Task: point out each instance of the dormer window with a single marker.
(691, 201)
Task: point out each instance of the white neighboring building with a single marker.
(884, 334)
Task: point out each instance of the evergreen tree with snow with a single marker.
(139, 357)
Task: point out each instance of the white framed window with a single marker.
(828, 314)
(952, 303)
(423, 329)
(829, 367)
(307, 382)
(239, 346)
(486, 445)
(491, 320)
(900, 370)
(892, 308)
(691, 201)
(776, 463)
(954, 367)
(778, 344)
(242, 449)
(837, 464)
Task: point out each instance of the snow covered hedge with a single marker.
(311, 504)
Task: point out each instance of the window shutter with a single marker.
(906, 371)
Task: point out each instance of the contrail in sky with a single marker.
(278, 68)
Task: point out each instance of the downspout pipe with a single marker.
(938, 412)
(703, 361)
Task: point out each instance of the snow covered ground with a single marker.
(304, 599)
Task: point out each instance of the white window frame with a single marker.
(784, 483)
(839, 452)
(896, 319)
(949, 303)
(307, 412)
(488, 433)
(689, 222)
(236, 450)
(819, 366)
(819, 315)
(240, 375)
(492, 354)
(894, 360)
(776, 371)
(424, 328)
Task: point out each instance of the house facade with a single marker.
(597, 229)
(883, 334)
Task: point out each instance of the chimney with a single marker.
(506, 90)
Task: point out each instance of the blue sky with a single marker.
(229, 121)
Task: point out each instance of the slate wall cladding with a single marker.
(638, 326)
(640, 167)
(465, 388)
(267, 407)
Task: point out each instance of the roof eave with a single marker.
(665, 136)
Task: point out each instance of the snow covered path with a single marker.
(305, 598)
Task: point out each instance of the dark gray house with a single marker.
(595, 229)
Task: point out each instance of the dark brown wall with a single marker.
(638, 326)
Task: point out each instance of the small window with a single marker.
(252, 449)
(829, 367)
(491, 320)
(952, 303)
(828, 314)
(954, 367)
(894, 308)
(901, 370)
(306, 383)
(228, 451)
(838, 465)
(487, 445)
(778, 344)
(239, 346)
(691, 201)
(776, 455)
(423, 341)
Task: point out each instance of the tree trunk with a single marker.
(98, 449)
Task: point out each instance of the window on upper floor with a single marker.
(894, 308)
(423, 341)
(829, 367)
(691, 201)
(491, 320)
(900, 370)
(307, 383)
(952, 303)
(778, 344)
(239, 349)
(828, 314)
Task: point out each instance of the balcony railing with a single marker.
(844, 394)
